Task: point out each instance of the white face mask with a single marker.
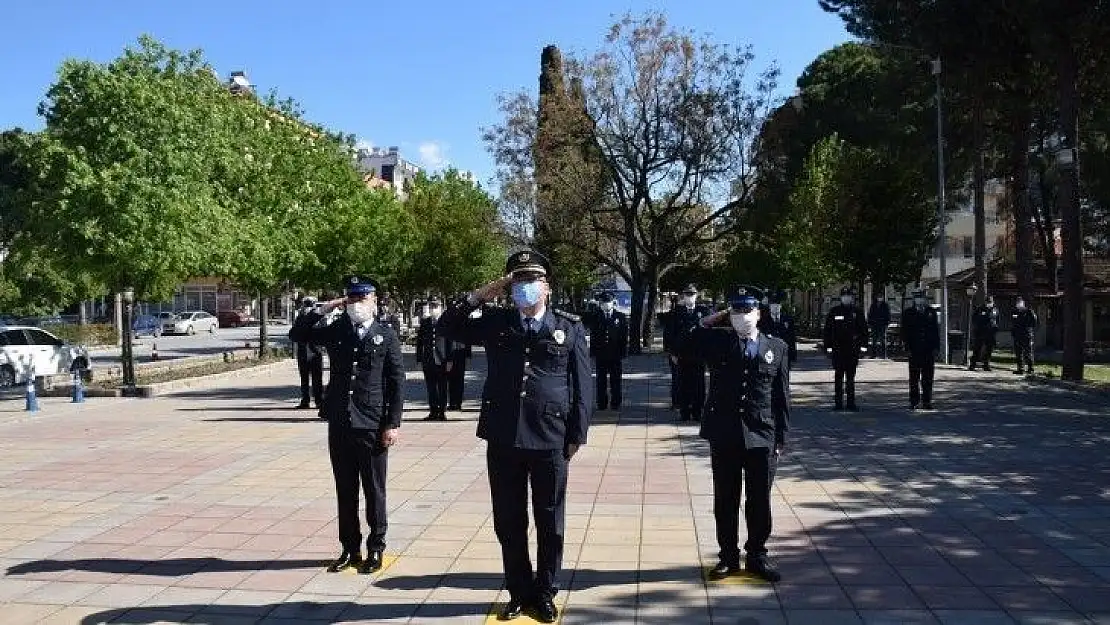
(846, 300)
(608, 306)
(776, 309)
(435, 311)
(744, 323)
(361, 312)
(689, 300)
(1020, 305)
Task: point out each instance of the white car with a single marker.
(191, 322)
(27, 351)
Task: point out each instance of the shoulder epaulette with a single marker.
(566, 315)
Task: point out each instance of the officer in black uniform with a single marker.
(310, 358)
(666, 323)
(690, 371)
(1023, 330)
(878, 319)
(984, 327)
(746, 420)
(432, 354)
(921, 336)
(845, 335)
(363, 406)
(779, 324)
(609, 348)
(388, 316)
(536, 409)
(458, 353)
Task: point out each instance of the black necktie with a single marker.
(531, 332)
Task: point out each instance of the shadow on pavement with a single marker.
(168, 567)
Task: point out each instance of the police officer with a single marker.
(1023, 330)
(746, 420)
(690, 372)
(388, 316)
(845, 335)
(458, 353)
(666, 324)
(363, 406)
(609, 347)
(921, 336)
(984, 327)
(432, 354)
(878, 319)
(779, 324)
(535, 414)
(310, 358)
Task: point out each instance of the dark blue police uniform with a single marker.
(689, 371)
(845, 337)
(363, 398)
(536, 402)
(609, 348)
(432, 353)
(746, 421)
(921, 335)
(780, 326)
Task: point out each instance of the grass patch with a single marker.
(1098, 374)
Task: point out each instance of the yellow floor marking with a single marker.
(387, 561)
(743, 578)
(491, 618)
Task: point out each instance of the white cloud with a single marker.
(433, 154)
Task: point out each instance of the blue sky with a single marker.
(420, 75)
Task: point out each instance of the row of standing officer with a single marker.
(1023, 327)
(443, 361)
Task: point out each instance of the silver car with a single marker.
(191, 322)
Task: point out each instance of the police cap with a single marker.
(605, 296)
(527, 263)
(359, 285)
(847, 291)
(744, 298)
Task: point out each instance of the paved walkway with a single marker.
(215, 506)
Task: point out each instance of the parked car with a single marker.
(147, 324)
(191, 322)
(27, 351)
(232, 318)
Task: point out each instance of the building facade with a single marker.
(387, 166)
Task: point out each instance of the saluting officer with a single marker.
(432, 353)
(363, 406)
(536, 409)
(984, 327)
(921, 336)
(779, 324)
(310, 358)
(1023, 330)
(845, 335)
(746, 421)
(690, 371)
(609, 348)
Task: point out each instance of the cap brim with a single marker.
(529, 271)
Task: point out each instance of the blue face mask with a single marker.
(527, 294)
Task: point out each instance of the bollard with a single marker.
(78, 387)
(154, 351)
(32, 396)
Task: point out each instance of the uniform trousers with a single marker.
(674, 382)
(691, 387)
(922, 368)
(511, 470)
(312, 377)
(981, 349)
(456, 379)
(1023, 350)
(844, 379)
(609, 372)
(734, 469)
(358, 456)
(435, 379)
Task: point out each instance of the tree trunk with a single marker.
(1019, 201)
(263, 333)
(979, 182)
(83, 313)
(1071, 229)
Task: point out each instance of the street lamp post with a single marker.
(127, 355)
(942, 244)
(971, 291)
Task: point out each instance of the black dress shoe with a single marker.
(344, 561)
(723, 570)
(372, 564)
(545, 611)
(511, 610)
(303, 405)
(761, 568)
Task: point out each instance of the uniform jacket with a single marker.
(985, 321)
(845, 331)
(1023, 323)
(878, 316)
(921, 331)
(539, 392)
(749, 398)
(608, 335)
(389, 318)
(367, 376)
(784, 330)
(301, 336)
(681, 319)
(432, 345)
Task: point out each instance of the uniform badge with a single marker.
(769, 357)
(377, 340)
(559, 336)
(525, 257)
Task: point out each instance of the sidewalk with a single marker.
(216, 506)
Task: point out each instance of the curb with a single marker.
(161, 388)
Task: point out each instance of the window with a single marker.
(14, 337)
(38, 337)
(387, 173)
(968, 246)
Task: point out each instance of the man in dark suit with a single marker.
(920, 327)
(310, 358)
(690, 371)
(609, 348)
(845, 337)
(746, 421)
(432, 353)
(363, 406)
(458, 353)
(535, 414)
